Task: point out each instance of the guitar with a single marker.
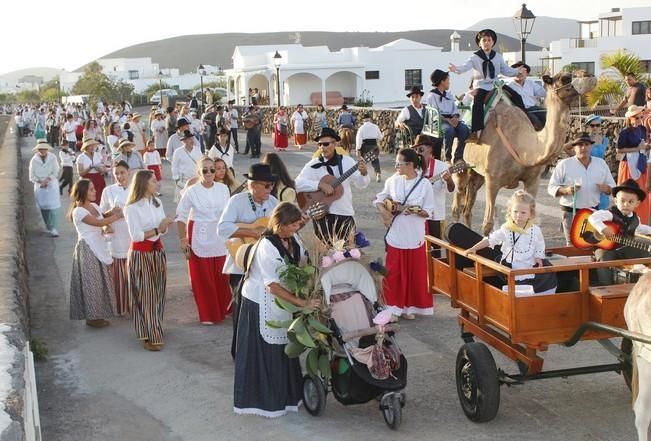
(583, 235)
(309, 198)
(234, 243)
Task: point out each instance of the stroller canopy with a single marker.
(346, 276)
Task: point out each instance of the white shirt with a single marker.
(85, 163)
(308, 180)
(407, 231)
(158, 127)
(69, 128)
(445, 104)
(368, 130)
(226, 154)
(440, 189)
(598, 218)
(204, 206)
(233, 117)
(152, 158)
(67, 158)
(174, 143)
(39, 169)
(184, 163)
(298, 118)
(404, 114)
(569, 170)
(520, 250)
(116, 196)
(91, 235)
(528, 91)
(476, 64)
(143, 216)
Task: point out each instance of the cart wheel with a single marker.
(477, 382)
(627, 365)
(392, 410)
(314, 395)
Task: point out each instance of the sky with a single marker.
(67, 35)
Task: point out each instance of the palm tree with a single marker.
(611, 87)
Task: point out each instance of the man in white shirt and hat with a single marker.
(528, 91)
(43, 173)
(184, 162)
(368, 136)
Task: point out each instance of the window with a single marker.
(587, 66)
(372, 74)
(413, 78)
(645, 65)
(134, 75)
(641, 27)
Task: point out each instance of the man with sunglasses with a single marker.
(339, 222)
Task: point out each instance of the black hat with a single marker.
(630, 186)
(231, 102)
(260, 172)
(491, 33)
(415, 90)
(344, 107)
(583, 139)
(186, 134)
(182, 122)
(522, 64)
(223, 131)
(437, 76)
(366, 115)
(327, 132)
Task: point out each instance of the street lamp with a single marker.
(276, 59)
(523, 21)
(58, 83)
(202, 72)
(160, 88)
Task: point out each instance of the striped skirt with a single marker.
(91, 286)
(121, 287)
(147, 272)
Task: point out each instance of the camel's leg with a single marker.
(474, 184)
(492, 188)
(458, 202)
(531, 184)
(642, 406)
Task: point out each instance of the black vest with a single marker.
(415, 121)
(629, 224)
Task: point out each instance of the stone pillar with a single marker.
(323, 92)
(246, 90)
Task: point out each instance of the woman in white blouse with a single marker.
(114, 198)
(197, 216)
(146, 260)
(90, 165)
(43, 173)
(91, 287)
(405, 286)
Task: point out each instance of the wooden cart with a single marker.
(521, 327)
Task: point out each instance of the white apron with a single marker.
(48, 198)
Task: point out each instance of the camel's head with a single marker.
(569, 88)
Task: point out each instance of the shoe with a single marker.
(378, 178)
(152, 347)
(99, 323)
(408, 316)
(208, 323)
(54, 232)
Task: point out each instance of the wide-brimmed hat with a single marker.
(522, 64)
(231, 102)
(125, 142)
(136, 115)
(424, 140)
(633, 110)
(490, 32)
(88, 142)
(630, 186)
(593, 118)
(158, 112)
(366, 115)
(244, 255)
(327, 132)
(584, 138)
(186, 134)
(437, 76)
(260, 172)
(415, 90)
(182, 122)
(42, 144)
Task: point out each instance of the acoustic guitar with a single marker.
(584, 236)
(309, 198)
(315, 211)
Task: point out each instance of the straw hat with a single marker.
(136, 115)
(633, 110)
(244, 254)
(125, 142)
(88, 142)
(41, 144)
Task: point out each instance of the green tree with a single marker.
(28, 96)
(50, 91)
(155, 87)
(611, 87)
(98, 85)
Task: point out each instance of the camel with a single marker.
(637, 313)
(497, 167)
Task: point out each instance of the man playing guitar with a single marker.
(338, 223)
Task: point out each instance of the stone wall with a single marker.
(610, 127)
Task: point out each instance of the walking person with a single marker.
(68, 158)
(90, 165)
(70, 132)
(184, 163)
(368, 136)
(146, 259)
(152, 160)
(222, 149)
(114, 198)
(43, 173)
(281, 129)
(197, 217)
(159, 131)
(299, 121)
(91, 282)
(233, 116)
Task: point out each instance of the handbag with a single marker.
(386, 245)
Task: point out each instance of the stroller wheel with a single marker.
(314, 395)
(391, 406)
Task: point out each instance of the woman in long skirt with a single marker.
(146, 260)
(405, 285)
(90, 165)
(115, 197)
(267, 382)
(43, 172)
(281, 129)
(299, 120)
(200, 208)
(634, 165)
(91, 284)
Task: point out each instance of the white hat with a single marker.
(633, 110)
(41, 144)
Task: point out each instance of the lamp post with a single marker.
(58, 83)
(202, 72)
(160, 88)
(523, 21)
(276, 59)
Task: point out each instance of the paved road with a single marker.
(101, 385)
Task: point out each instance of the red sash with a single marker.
(147, 245)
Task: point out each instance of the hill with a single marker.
(47, 73)
(545, 29)
(188, 51)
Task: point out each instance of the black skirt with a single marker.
(267, 382)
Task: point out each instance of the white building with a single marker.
(625, 28)
(312, 75)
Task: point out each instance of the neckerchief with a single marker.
(513, 227)
(442, 95)
(224, 153)
(487, 66)
(334, 161)
(294, 256)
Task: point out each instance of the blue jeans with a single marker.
(461, 132)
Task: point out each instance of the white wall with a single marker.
(629, 15)
(343, 82)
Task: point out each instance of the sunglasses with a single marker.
(266, 185)
(208, 170)
(324, 144)
(595, 125)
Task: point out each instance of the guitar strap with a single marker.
(386, 245)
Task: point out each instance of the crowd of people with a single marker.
(119, 262)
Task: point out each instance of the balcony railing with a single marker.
(579, 43)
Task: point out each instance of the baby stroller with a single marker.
(350, 291)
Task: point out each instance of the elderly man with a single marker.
(579, 181)
(184, 162)
(174, 142)
(246, 208)
(339, 222)
(412, 115)
(527, 91)
(635, 94)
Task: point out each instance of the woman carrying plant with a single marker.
(267, 382)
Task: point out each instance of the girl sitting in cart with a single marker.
(523, 244)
